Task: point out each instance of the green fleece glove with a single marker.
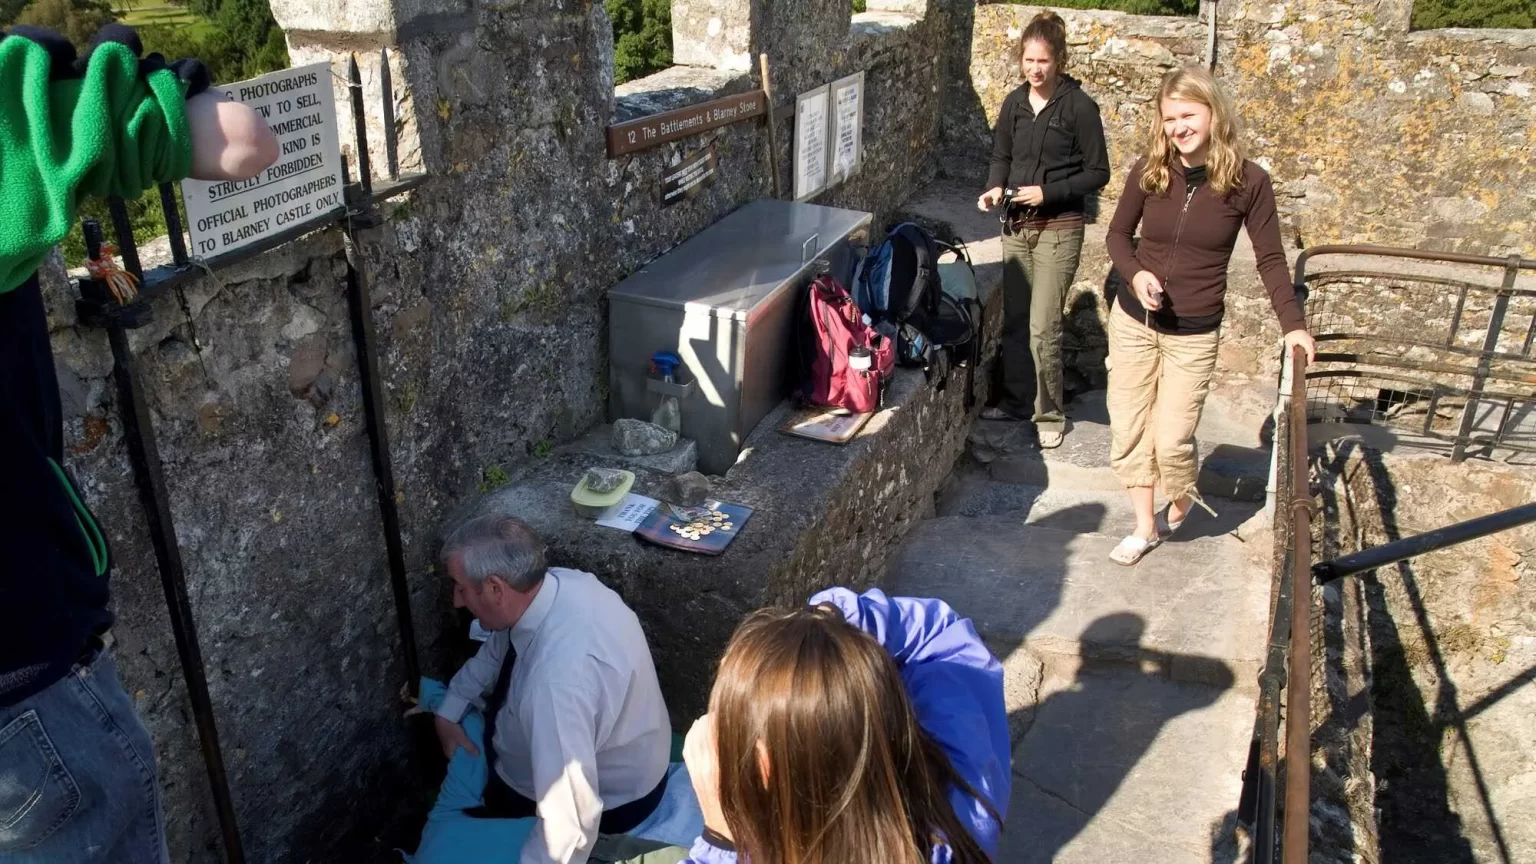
(110, 124)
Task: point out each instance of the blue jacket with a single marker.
(956, 687)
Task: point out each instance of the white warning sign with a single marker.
(303, 186)
(810, 143)
(847, 127)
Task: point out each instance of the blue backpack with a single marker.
(897, 285)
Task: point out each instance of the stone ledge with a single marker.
(675, 87)
(872, 24)
(823, 515)
(1493, 35)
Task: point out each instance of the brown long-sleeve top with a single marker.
(1188, 250)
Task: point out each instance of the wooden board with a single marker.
(657, 129)
(824, 424)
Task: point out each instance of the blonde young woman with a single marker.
(1049, 148)
(1190, 194)
(861, 728)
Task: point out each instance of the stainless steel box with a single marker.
(725, 300)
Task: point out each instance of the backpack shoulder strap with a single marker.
(926, 260)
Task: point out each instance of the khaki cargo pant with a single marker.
(1157, 387)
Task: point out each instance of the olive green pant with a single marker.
(1038, 269)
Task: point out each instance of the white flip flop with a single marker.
(1132, 549)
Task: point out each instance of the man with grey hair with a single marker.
(576, 730)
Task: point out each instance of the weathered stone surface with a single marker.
(488, 286)
(639, 438)
(1297, 67)
(598, 443)
(1124, 765)
(712, 33)
(1042, 586)
(689, 490)
(1447, 635)
(488, 289)
(1294, 68)
(823, 515)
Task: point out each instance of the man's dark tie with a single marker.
(501, 802)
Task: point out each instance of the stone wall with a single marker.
(1373, 134)
(1422, 731)
(488, 288)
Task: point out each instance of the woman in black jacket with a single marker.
(1049, 150)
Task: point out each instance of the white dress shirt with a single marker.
(584, 729)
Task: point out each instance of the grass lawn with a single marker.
(154, 13)
(157, 13)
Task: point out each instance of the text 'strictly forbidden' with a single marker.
(304, 185)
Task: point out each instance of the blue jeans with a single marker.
(77, 775)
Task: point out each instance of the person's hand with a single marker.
(1030, 196)
(1149, 291)
(1303, 340)
(701, 755)
(453, 736)
(230, 140)
(989, 199)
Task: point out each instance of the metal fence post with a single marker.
(365, 339)
(1485, 359)
(149, 477)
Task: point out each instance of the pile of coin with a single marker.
(714, 520)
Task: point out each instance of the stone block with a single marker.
(598, 444)
(639, 438)
(370, 17)
(713, 33)
(689, 490)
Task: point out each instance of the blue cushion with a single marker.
(450, 837)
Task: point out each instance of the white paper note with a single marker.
(629, 513)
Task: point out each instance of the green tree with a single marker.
(642, 37)
(1435, 14)
(77, 20)
(245, 40)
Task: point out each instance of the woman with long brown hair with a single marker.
(862, 728)
(1190, 195)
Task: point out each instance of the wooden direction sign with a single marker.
(656, 129)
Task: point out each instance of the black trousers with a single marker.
(504, 802)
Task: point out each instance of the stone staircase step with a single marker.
(1087, 510)
(1193, 610)
(1234, 452)
(1122, 765)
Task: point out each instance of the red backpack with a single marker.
(830, 327)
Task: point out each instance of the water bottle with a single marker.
(668, 414)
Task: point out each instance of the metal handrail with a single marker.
(1290, 642)
(1298, 700)
(1412, 254)
(1419, 544)
(1487, 354)
(1291, 616)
